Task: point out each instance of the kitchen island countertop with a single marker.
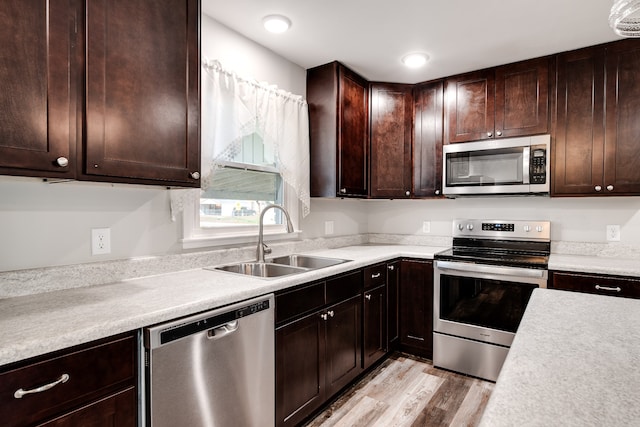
(37, 324)
(573, 362)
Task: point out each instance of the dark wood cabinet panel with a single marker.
(300, 369)
(522, 98)
(93, 372)
(142, 107)
(393, 322)
(37, 100)
(579, 126)
(338, 102)
(596, 284)
(391, 127)
(622, 134)
(470, 106)
(427, 140)
(374, 309)
(416, 307)
(344, 348)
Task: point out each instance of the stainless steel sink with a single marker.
(260, 269)
(307, 261)
(280, 266)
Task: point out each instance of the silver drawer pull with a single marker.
(367, 297)
(63, 379)
(375, 276)
(608, 288)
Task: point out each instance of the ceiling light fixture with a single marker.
(625, 18)
(276, 23)
(416, 60)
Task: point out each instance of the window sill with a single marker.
(211, 241)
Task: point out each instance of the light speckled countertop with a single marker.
(594, 264)
(37, 324)
(574, 362)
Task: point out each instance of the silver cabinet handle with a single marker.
(343, 191)
(609, 187)
(324, 316)
(608, 288)
(391, 267)
(598, 188)
(330, 313)
(407, 193)
(375, 276)
(437, 192)
(19, 393)
(367, 297)
(63, 162)
(499, 133)
(195, 175)
(489, 134)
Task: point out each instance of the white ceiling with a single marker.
(371, 36)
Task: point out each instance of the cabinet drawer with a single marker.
(375, 275)
(596, 284)
(299, 301)
(344, 287)
(92, 372)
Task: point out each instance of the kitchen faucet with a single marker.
(262, 247)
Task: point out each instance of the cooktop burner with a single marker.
(508, 243)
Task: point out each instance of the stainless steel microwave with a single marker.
(497, 166)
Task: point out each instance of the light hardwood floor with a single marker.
(408, 391)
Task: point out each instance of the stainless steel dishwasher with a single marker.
(213, 369)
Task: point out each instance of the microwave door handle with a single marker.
(489, 269)
(526, 162)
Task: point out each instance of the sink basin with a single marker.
(307, 261)
(260, 269)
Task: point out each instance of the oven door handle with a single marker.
(490, 269)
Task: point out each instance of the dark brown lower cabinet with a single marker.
(628, 287)
(393, 313)
(416, 307)
(319, 353)
(374, 308)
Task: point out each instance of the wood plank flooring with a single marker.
(407, 391)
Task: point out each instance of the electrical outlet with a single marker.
(426, 226)
(328, 227)
(613, 233)
(100, 241)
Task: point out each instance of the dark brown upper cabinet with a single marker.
(427, 139)
(338, 102)
(391, 127)
(37, 99)
(596, 148)
(506, 101)
(101, 91)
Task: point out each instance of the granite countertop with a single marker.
(595, 264)
(37, 324)
(573, 362)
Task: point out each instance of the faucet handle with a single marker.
(267, 249)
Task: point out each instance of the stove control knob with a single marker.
(539, 229)
(470, 227)
(527, 228)
(460, 227)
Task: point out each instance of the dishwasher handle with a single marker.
(223, 331)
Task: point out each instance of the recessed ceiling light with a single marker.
(276, 23)
(415, 60)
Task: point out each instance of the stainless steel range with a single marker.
(481, 289)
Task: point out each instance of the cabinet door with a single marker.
(391, 118)
(470, 106)
(375, 325)
(300, 369)
(37, 99)
(579, 123)
(142, 108)
(353, 134)
(393, 281)
(344, 345)
(597, 284)
(416, 307)
(522, 98)
(427, 141)
(622, 135)
(118, 410)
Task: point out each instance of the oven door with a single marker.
(482, 302)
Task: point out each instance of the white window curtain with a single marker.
(235, 107)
